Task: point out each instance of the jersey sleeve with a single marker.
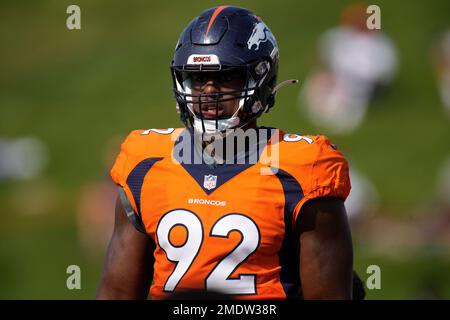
(124, 163)
(117, 171)
(140, 149)
(328, 175)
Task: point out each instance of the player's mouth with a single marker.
(212, 113)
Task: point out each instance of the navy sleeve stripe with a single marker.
(135, 220)
(288, 254)
(136, 179)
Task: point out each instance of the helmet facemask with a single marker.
(191, 99)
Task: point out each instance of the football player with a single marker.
(250, 230)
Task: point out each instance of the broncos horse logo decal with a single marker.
(260, 34)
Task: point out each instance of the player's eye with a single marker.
(198, 79)
(232, 79)
(226, 77)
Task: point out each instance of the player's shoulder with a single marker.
(141, 146)
(150, 142)
(318, 166)
(306, 149)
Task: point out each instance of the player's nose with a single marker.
(211, 87)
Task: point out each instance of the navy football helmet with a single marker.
(225, 39)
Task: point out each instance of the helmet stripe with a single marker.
(213, 17)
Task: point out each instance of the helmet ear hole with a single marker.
(270, 102)
(272, 82)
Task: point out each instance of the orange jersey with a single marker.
(227, 228)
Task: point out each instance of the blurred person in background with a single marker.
(22, 158)
(427, 229)
(95, 204)
(355, 62)
(443, 185)
(23, 161)
(435, 227)
(441, 61)
(363, 200)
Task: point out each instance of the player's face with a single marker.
(228, 83)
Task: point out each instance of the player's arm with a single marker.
(128, 269)
(326, 252)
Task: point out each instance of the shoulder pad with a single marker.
(140, 145)
(317, 165)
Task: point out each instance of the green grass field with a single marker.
(76, 90)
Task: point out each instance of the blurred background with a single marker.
(68, 98)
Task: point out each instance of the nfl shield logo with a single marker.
(210, 182)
